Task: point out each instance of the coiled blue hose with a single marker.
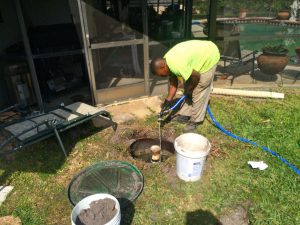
(266, 149)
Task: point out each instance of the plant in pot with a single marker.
(241, 8)
(273, 59)
(243, 13)
(297, 50)
(283, 14)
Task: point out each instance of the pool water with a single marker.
(267, 29)
(271, 35)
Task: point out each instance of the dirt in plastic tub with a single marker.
(99, 213)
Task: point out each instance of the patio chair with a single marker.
(231, 52)
(37, 128)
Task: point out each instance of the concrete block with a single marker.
(4, 191)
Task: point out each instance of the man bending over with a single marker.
(195, 61)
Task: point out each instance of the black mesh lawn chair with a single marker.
(233, 58)
(37, 128)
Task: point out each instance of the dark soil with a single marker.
(128, 133)
(99, 213)
(140, 149)
(239, 216)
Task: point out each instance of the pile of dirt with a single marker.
(99, 213)
(239, 216)
(10, 220)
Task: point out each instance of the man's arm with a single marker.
(172, 88)
(192, 82)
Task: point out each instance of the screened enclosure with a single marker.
(108, 44)
(121, 38)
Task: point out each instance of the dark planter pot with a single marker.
(297, 50)
(283, 15)
(272, 64)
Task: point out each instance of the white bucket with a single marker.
(85, 204)
(191, 151)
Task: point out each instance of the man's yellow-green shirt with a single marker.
(196, 55)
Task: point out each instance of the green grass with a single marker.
(40, 174)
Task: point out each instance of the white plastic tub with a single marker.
(191, 151)
(85, 204)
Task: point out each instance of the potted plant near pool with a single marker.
(243, 13)
(273, 60)
(297, 50)
(283, 14)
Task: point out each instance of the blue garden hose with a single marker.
(266, 149)
(177, 103)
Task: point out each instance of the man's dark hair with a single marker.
(153, 65)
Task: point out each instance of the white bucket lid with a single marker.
(192, 145)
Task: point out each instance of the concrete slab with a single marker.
(4, 191)
(138, 108)
(239, 77)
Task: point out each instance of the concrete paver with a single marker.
(138, 108)
(4, 191)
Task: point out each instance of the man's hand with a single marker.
(165, 106)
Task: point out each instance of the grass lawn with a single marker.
(40, 174)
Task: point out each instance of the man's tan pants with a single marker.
(197, 108)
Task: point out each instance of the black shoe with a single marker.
(191, 126)
(181, 119)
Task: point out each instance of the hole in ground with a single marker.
(140, 149)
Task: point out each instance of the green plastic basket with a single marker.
(120, 179)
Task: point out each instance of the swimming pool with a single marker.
(255, 36)
(255, 33)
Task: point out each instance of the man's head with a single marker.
(159, 67)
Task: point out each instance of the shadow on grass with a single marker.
(201, 217)
(127, 212)
(44, 157)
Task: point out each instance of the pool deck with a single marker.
(268, 20)
(239, 77)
